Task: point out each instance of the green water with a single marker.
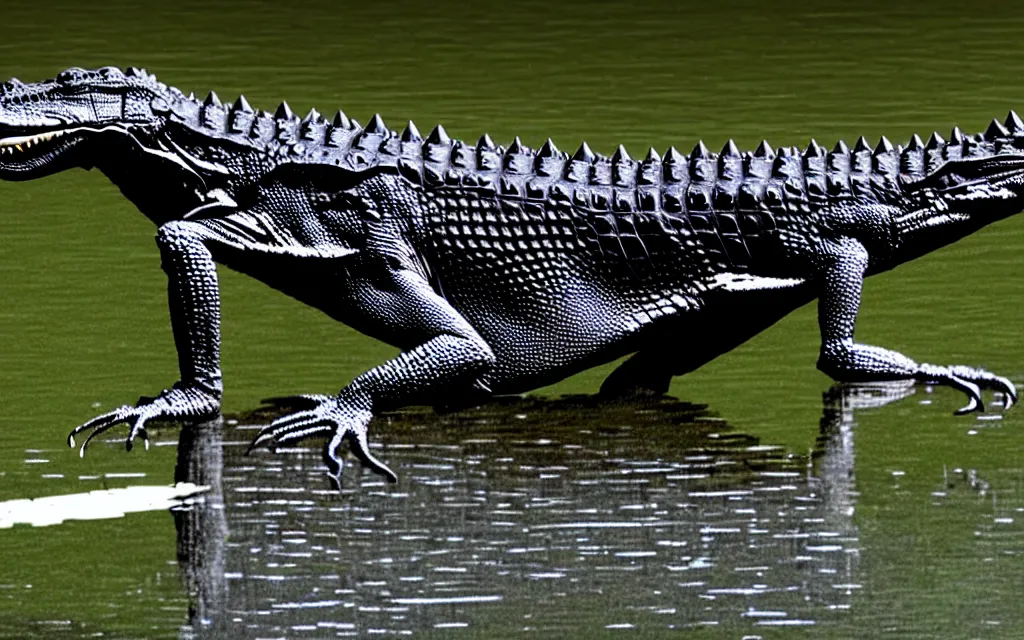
(84, 323)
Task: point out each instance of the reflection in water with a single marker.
(202, 526)
(527, 514)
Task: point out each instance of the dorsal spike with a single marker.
(411, 133)
(438, 136)
(486, 143)
(996, 130)
(241, 105)
(730, 150)
(883, 146)
(700, 150)
(515, 147)
(549, 150)
(861, 145)
(212, 100)
(935, 141)
(133, 72)
(311, 117)
(814, 150)
(764, 150)
(956, 136)
(376, 125)
(621, 155)
(341, 120)
(284, 112)
(1013, 122)
(584, 154)
(192, 96)
(915, 143)
(840, 148)
(652, 155)
(674, 156)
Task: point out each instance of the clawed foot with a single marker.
(971, 381)
(178, 402)
(321, 415)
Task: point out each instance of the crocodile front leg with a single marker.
(449, 361)
(195, 320)
(848, 361)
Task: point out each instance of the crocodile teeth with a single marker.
(20, 143)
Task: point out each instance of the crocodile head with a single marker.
(49, 126)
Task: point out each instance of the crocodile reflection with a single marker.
(509, 516)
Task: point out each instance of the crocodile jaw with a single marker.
(30, 155)
(17, 144)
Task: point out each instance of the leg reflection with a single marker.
(202, 527)
(834, 457)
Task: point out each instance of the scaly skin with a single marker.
(499, 270)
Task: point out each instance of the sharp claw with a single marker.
(97, 431)
(973, 394)
(361, 448)
(335, 481)
(259, 440)
(136, 431)
(98, 421)
(1009, 391)
(335, 465)
(972, 405)
(98, 425)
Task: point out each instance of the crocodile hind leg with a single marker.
(194, 303)
(448, 359)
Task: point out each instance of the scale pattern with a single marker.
(499, 269)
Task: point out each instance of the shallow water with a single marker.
(853, 517)
(560, 516)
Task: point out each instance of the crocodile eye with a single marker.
(68, 76)
(110, 72)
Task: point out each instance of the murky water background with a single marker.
(757, 510)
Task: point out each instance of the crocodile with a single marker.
(499, 269)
